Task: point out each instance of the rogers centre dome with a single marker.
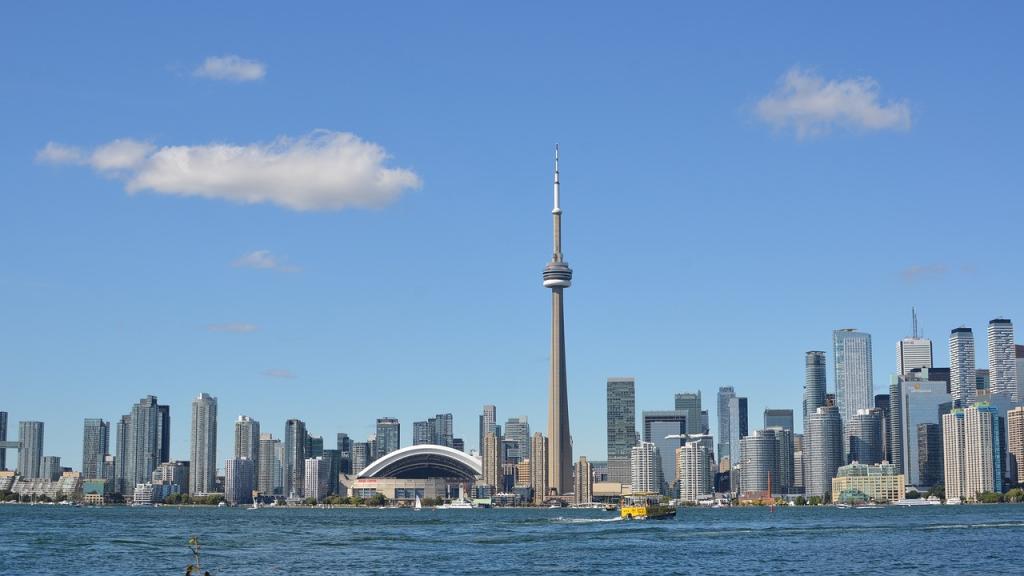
(424, 461)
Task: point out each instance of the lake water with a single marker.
(887, 540)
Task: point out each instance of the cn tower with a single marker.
(558, 276)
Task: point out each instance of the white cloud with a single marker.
(54, 153)
(322, 170)
(812, 105)
(232, 327)
(264, 260)
(231, 67)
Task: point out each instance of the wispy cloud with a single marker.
(279, 373)
(812, 105)
(264, 260)
(231, 67)
(232, 327)
(322, 170)
(923, 271)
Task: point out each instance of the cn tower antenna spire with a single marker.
(558, 209)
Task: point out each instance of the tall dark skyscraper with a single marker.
(389, 434)
(294, 456)
(558, 277)
(344, 453)
(778, 417)
(143, 431)
(725, 393)
(30, 455)
(621, 427)
(3, 438)
(95, 445)
(814, 383)
(163, 431)
(689, 402)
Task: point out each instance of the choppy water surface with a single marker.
(115, 540)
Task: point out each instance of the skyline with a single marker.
(667, 127)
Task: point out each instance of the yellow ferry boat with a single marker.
(645, 506)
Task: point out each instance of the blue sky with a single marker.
(738, 181)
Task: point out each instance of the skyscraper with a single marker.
(1015, 444)
(814, 383)
(962, 380)
(645, 465)
(864, 437)
(693, 464)
(163, 433)
(239, 480)
(389, 434)
(921, 401)
(143, 431)
(492, 461)
(421, 433)
(558, 277)
(539, 467)
(344, 453)
(1002, 358)
(3, 438)
(778, 417)
(929, 454)
(268, 467)
(664, 428)
(360, 456)
(316, 478)
(49, 469)
(953, 453)
(737, 426)
(913, 352)
(517, 438)
(882, 404)
(442, 430)
(1019, 353)
(95, 445)
(488, 420)
(689, 402)
(759, 460)
(583, 489)
(982, 450)
(823, 445)
(621, 413)
(30, 455)
(295, 457)
(247, 439)
(854, 387)
(203, 474)
(724, 394)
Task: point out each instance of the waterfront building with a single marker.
(1002, 358)
(295, 457)
(645, 468)
(247, 439)
(492, 460)
(95, 445)
(239, 480)
(1015, 444)
(664, 428)
(737, 426)
(488, 423)
(621, 414)
(203, 473)
(539, 467)
(583, 490)
(425, 470)
(929, 454)
(920, 402)
(689, 402)
(982, 450)
(853, 372)
(864, 437)
(268, 466)
(953, 454)
(143, 433)
(388, 436)
(558, 277)
(766, 457)
(862, 482)
(694, 462)
(173, 474)
(30, 454)
(824, 450)
(316, 474)
(798, 463)
(725, 393)
(962, 376)
(778, 418)
(49, 468)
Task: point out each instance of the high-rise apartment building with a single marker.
(141, 436)
(953, 454)
(163, 433)
(1019, 353)
(360, 456)
(389, 434)
(583, 479)
(645, 468)
(814, 383)
(49, 468)
(853, 372)
(1015, 444)
(823, 447)
(962, 378)
(488, 422)
(539, 467)
(316, 476)
(173, 474)
(239, 480)
(295, 457)
(516, 436)
(725, 393)
(689, 402)
(203, 473)
(621, 412)
(778, 418)
(95, 445)
(694, 462)
(1002, 358)
(492, 461)
(268, 466)
(421, 433)
(30, 455)
(3, 438)
(982, 450)
(929, 454)
(758, 461)
(864, 437)
(247, 439)
(737, 426)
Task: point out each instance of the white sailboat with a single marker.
(418, 505)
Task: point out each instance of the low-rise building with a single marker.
(874, 483)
